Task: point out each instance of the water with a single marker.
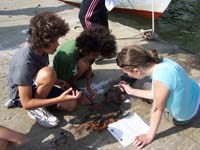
(179, 24)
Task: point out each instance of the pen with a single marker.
(116, 85)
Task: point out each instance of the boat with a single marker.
(143, 8)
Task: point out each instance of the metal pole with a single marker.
(153, 21)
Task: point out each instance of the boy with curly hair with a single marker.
(74, 58)
(31, 80)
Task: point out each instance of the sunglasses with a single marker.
(123, 65)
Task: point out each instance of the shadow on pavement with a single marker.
(17, 35)
(175, 129)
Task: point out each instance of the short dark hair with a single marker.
(45, 28)
(97, 39)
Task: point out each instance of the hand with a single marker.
(142, 140)
(70, 94)
(124, 87)
(121, 85)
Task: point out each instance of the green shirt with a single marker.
(65, 60)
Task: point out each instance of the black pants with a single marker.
(93, 13)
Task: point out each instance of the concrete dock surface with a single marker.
(14, 21)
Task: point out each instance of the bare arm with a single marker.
(143, 93)
(88, 81)
(161, 93)
(136, 92)
(25, 93)
(84, 68)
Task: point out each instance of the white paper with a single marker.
(127, 128)
(99, 88)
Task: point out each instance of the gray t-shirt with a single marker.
(23, 67)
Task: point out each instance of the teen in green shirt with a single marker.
(74, 58)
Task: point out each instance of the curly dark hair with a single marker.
(97, 39)
(45, 28)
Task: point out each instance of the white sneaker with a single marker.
(43, 117)
(8, 103)
(12, 103)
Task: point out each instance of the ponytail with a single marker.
(154, 56)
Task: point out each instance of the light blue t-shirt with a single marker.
(182, 101)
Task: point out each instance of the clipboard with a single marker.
(124, 130)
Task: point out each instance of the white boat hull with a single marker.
(137, 7)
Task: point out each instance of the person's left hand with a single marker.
(142, 140)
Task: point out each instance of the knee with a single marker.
(46, 75)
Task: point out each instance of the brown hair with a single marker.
(134, 56)
(45, 28)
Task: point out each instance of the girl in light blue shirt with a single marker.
(172, 88)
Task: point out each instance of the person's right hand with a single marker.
(124, 87)
(121, 83)
(70, 94)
